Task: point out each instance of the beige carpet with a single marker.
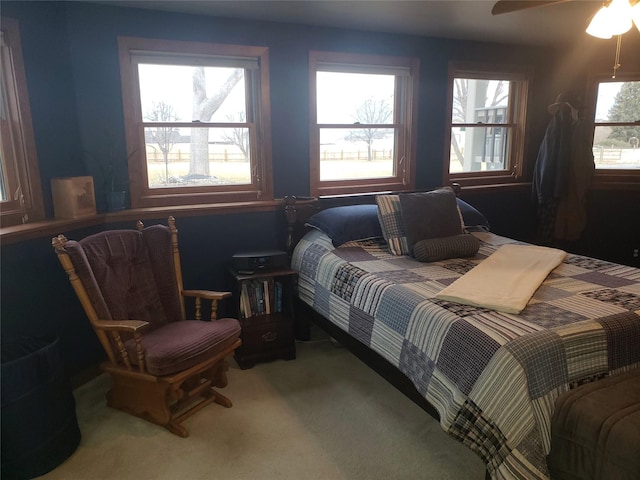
(323, 416)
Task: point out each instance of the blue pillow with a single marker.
(347, 223)
(472, 218)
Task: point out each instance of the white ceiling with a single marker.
(557, 24)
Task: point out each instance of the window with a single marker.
(487, 120)
(197, 122)
(362, 118)
(20, 190)
(616, 134)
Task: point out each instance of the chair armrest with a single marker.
(206, 294)
(132, 326)
(119, 356)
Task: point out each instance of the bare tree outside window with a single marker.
(181, 95)
(203, 109)
(164, 137)
(238, 136)
(185, 116)
(363, 119)
(371, 112)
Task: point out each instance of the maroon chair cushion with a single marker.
(180, 345)
(157, 239)
(83, 270)
(122, 269)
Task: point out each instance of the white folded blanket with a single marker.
(506, 280)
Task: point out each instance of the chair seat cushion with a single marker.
(180, 345)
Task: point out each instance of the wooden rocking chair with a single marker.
(163, 367)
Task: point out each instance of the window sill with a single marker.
(598, 183)
(52, 227)
(607, 180)
(494, 187)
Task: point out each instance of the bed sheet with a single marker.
(493, 377)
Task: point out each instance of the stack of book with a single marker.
(260, 297)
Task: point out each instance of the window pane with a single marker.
(611, 149)
(355, 97)
(484, 101)
(3, 187)
(348, 154)
(170, 162)
(618, 102)
(179, 93)
(5, 129)
(197, 122)
(4, 139)
(478, 149)
(20, 191)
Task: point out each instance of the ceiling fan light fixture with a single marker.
(612, 19)
(598, 25)
(635, 15)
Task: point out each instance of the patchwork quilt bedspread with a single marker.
(493, 377)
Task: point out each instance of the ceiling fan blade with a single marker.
(508, 6)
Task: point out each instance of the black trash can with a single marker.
(39, 423)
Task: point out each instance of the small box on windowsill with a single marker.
(73, 197)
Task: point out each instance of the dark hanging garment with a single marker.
(562, 174)
(549, 176)
(571, 214)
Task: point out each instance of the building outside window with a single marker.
(363, 119)
(487, 123)
(197, 121)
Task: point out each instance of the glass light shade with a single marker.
(635, 14)
(598, 25)
(611, 20)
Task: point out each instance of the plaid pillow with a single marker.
(390, 216)
(443, 248)
(433, 214)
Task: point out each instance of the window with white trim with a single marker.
(487, 106)
(197, 122)
(20, 190)
(362, 122)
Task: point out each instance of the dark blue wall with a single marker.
(71, 62)
(71, 59)
(51, 91)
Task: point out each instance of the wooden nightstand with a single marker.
(264, 307)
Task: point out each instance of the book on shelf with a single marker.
(245, 304)
(259, 292)
(260, 297)
(267, 294)
(278, 296)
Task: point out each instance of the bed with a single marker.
(491, 378)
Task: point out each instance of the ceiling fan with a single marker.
(508, 6)
(613, 18)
